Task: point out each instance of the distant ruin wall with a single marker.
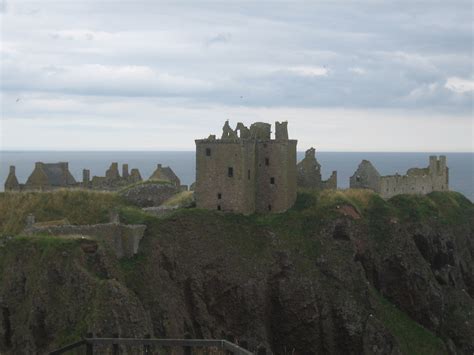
(309, 173)
(417, 180)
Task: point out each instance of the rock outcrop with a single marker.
(327, 277)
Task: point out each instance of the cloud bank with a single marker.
(131, 67)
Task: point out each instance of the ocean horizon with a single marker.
(461, 165)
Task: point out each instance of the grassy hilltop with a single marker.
(341, 272)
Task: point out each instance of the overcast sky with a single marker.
(155, 75)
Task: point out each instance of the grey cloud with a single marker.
(407, 52)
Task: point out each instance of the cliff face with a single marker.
(341, 273)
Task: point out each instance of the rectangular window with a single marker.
(272, 180)
(248, 174)
(208, 152)
(230, 172)
(269, 207)
(267, 161)
(218, 207)
(219, 196)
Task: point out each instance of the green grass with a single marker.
(448, 207)
(413, 338)
(184, 198)
(78, 206)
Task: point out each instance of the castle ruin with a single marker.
(50, 176)
(435, 177)
(44, 177)
(246, 170)
(309, 174)
(112, 179)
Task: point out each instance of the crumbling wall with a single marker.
(417, 180)
(365, 177)
(309, 173)
(112, 179)
(330, 183)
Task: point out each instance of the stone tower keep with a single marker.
(246, 170)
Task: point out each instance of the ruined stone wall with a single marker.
(330, 183)
(417, 181)
(366, 177)
(309, 173)
(112, 179)
(124, 239)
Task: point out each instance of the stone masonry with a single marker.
(246, 170)
(309, 173)
(435, 177)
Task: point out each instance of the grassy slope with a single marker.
(309, 214)
(78, 206)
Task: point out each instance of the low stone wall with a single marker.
(124, 239)
(149, 194)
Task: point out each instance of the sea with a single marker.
(461, 165)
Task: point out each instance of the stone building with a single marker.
(435, 177)
(44, 177)
(309, 173)
(165, 173)
(246, 170)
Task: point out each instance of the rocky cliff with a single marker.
(340, 273)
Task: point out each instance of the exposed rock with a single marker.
(298, 283)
